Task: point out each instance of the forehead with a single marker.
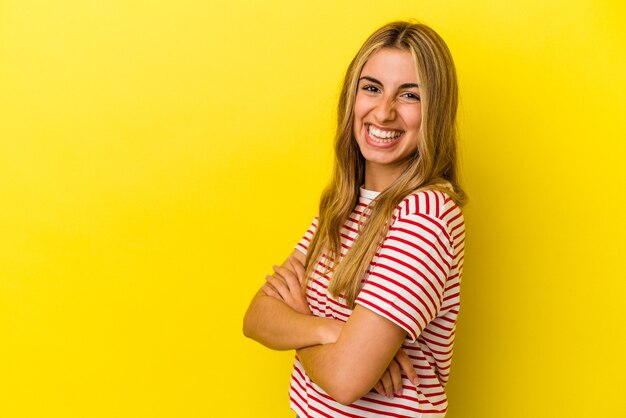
(391, 65)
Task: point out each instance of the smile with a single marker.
(380, 136)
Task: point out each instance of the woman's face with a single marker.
(387, 109)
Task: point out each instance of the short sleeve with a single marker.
(406, 279)
(303, 244)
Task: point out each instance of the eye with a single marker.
(412, 96)
(370, 88)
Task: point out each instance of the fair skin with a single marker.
(285, 322)
(348, 360)
(389, 103)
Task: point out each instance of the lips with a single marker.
(382, 138)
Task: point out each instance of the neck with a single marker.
(379, 177)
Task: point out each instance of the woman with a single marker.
(369, 297)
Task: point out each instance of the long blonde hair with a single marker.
(433, 167)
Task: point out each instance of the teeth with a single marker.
(382, 136)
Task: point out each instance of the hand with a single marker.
(286, 284)
(391, 381)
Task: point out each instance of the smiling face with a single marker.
(387, 115)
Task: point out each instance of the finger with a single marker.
(378, 387)
(407, 366)
(280, 286)
(298, 268)
(293, 283)
(288, 265)
(277, 277)
(278, 273)
(396, 377)
(387, 384)
(270, 291)
(286, 275)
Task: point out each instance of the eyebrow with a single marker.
(402, 86)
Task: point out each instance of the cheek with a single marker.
(414, 119)
(360, 108)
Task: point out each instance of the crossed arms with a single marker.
(346, 360)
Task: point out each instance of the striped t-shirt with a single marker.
(414, 281)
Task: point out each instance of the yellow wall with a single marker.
(156, 158)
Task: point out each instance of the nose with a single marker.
(385, 109)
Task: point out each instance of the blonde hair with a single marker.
(433, 167)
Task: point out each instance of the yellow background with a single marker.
(156, 158)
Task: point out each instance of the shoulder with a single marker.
(303, 244)
(431, 208)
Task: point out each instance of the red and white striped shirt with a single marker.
(414, 281)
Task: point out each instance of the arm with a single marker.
(286, 287)
(349, 368)
(276, 325)
(401, 294)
